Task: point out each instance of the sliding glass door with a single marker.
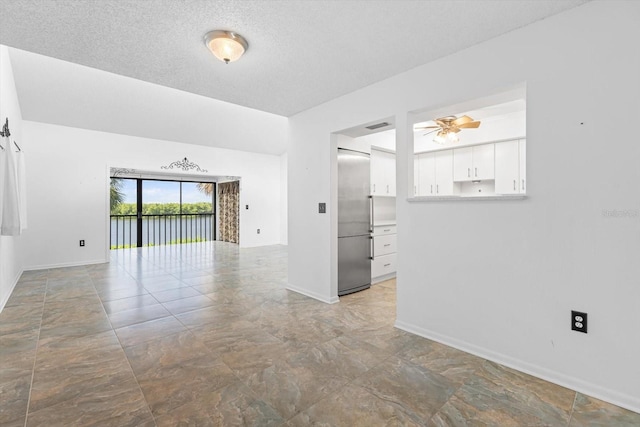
(146, 212)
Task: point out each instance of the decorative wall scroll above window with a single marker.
(122, 171)
(185, 165)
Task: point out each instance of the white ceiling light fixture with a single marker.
(227, 46)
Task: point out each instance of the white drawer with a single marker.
(380, 230)
(384, 245)
(382, 265)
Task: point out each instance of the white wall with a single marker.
(283, 199)
(10, 246)
(67, 94)
(386, 139)
(68, 182)
(499, 278)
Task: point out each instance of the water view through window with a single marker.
(156, 212)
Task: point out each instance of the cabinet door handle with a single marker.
(523, 185)
(514, 185)
(387, 188)
(387, 265)
(437, 188)
(374, 188)
(468, 172)
(415, 191)
(431, 188)
(388, 244)
(476, 172)
(387, 229)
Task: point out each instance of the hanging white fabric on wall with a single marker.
(11, 201)
(2, 166)
(22, 189)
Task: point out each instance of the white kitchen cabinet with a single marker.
(383, 268)
(383, 173)
(380, 230)
(426, 174)
(474, 163)
(416, 174)
(435, 174)
(523, 165)
(383, 265)
(462, 163)
(507, 167)
(384, 245)
(510, 159)
(444, 173)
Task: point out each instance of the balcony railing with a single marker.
(161, 229)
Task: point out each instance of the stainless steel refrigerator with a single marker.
(354, 222)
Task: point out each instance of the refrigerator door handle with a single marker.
(371, 213)
(372, 248)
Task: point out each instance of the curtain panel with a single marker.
(229, 211)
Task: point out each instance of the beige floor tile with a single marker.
(137, 315)
(145, 331)
(591, 412)
(208, 334)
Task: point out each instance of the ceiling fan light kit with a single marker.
(227, 46)
(448, 127)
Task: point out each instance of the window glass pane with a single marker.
(123, 196)
(160, 197)
(197, 197)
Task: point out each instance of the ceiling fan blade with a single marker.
(469, 125)
(462, 120)
(428, 133)
(427, 127)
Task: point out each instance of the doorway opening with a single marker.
(153, 212)
(377, 142)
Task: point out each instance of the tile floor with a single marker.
(206, 334)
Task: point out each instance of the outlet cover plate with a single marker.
(578, 321)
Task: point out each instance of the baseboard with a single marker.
(623, 400)
(383, 278)
(313, 295)
(5, 300)
(66, 264)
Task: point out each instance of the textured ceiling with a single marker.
(301, 53)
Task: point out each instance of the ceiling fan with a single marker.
(448, 126)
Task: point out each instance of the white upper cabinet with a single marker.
(416, 175)
(507, 167)
(485, 170)
(444, 173)
(473, 163)
(426, 166)
(462, 164)
(523, 165)
(510, 167)
(435, 174)
(383, 173)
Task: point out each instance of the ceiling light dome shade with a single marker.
(227, 46)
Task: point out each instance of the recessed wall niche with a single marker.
(471, 150)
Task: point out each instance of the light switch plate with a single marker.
(322, 208)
